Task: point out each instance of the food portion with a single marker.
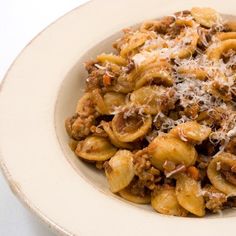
(159, 114)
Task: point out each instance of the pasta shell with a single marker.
(128, 126)
(95, 148)
(226, 35)
(197, 73)
(107, 103)
(188, 192)
(164, 201)
(188, 50)
(148, 97)
(191, 131)
(215, 176)
(168, 148)
(154, 76)
(135, 40)
(106, 126)
(120, 170)
(126, 194)
(216, 50)
(122, 85)
(205, 16)
(112, 59)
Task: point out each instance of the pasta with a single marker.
(159, 116)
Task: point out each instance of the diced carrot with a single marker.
(106, 80)
(194, 172)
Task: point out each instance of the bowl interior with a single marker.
(71, 90)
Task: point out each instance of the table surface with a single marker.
(20, 21)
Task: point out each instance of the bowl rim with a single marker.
(16, 190)
(14, 185)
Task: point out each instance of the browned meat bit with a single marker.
(220, 90)
(192, 111)
(138, 188)
(168, 100)
(90, 66)
(68, 124)
(94, 80)
(231, 146)
(214, 199)
(228, 170)
(78, 127)
(205, 37)
(147, 174)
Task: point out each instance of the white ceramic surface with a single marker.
(41, 89)
(14, 19)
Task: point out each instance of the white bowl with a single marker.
(41, 89)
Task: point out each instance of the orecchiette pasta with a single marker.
(188, 192)
(168, 148)
(226, 35)
(205, 16)
(216, 52)
(114, 140)
(191, 131)
(126, 194)
(130, 127)
(164, 201)
(120, 170)
(193, 73)
(108, 102)
(103, 58)
(222, 173)
(158, 114)
(147, 97)
(95, 149)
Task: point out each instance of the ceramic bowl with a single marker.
(41, 89)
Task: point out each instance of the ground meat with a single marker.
(214, 199)
(164, 25)
(231, 146)
(95, 80)
(87, 108)
(192, 111)
(90, 66)
(168, 100)
(148, 175)
(138, 188)
(78, 127)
